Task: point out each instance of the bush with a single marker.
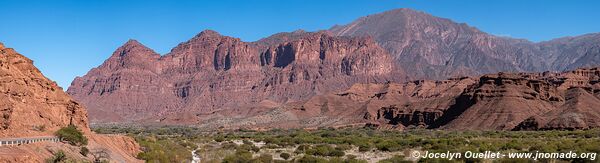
(285, 156)
(84, 151)
(311, 159)
(240, 156)
(57, 157)
(265, 158)
(72, 135)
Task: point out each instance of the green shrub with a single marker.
(84, 151)
(72, 135)
(240, 156)
(265, 158)
(285, 156)
(57, 157)
(311, 159)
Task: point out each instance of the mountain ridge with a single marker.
(216, 74)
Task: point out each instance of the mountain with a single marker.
(429, 47)
(32, 105)
(294, 79)
(211, 72)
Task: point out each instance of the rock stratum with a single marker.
(294, 79)
(503, 101)
(32, 105)
(212, 72)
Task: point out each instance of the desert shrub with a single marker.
(302, 148)
(285, 156)
(229, 145)
(240, 156)
(57, 157)
(247, 147)
(72, 135)
(219, 139)
(265, 158)
(343, 147)
(271, 146)
(324, 150)
(311, 159)
(364, 147)
(84, 151)
(162, 150)
(247, 142)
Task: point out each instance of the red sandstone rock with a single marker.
(294, 79)
(211, 72)
(33, 105)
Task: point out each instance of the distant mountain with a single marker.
(429, 47)
(288, 79)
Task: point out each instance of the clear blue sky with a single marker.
(66, 38)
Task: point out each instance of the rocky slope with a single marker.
(32, 105)
(503, 101)
(437, 48)
(214, 78)
(212, 72)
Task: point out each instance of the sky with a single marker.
(66, 38)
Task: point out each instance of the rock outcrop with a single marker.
(502, 101)
(212, 72)
(33, 105)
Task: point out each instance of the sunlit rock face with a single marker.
(212, 72)
(31, 104)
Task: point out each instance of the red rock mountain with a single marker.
(294, 79)
(211, 72)
(32, 105)
(503, 101)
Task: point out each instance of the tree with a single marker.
(72, 135)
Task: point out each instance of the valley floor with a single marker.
(175, 144)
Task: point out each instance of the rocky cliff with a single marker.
(295, 75)
(33, 105)
(212, 72)
(502, 101)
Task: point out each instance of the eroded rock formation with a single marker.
(211, 72)
(33, 105)
(502, 101)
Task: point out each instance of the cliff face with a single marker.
(31, 104)
(220, 78)
(502, 101)
(211, 72)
